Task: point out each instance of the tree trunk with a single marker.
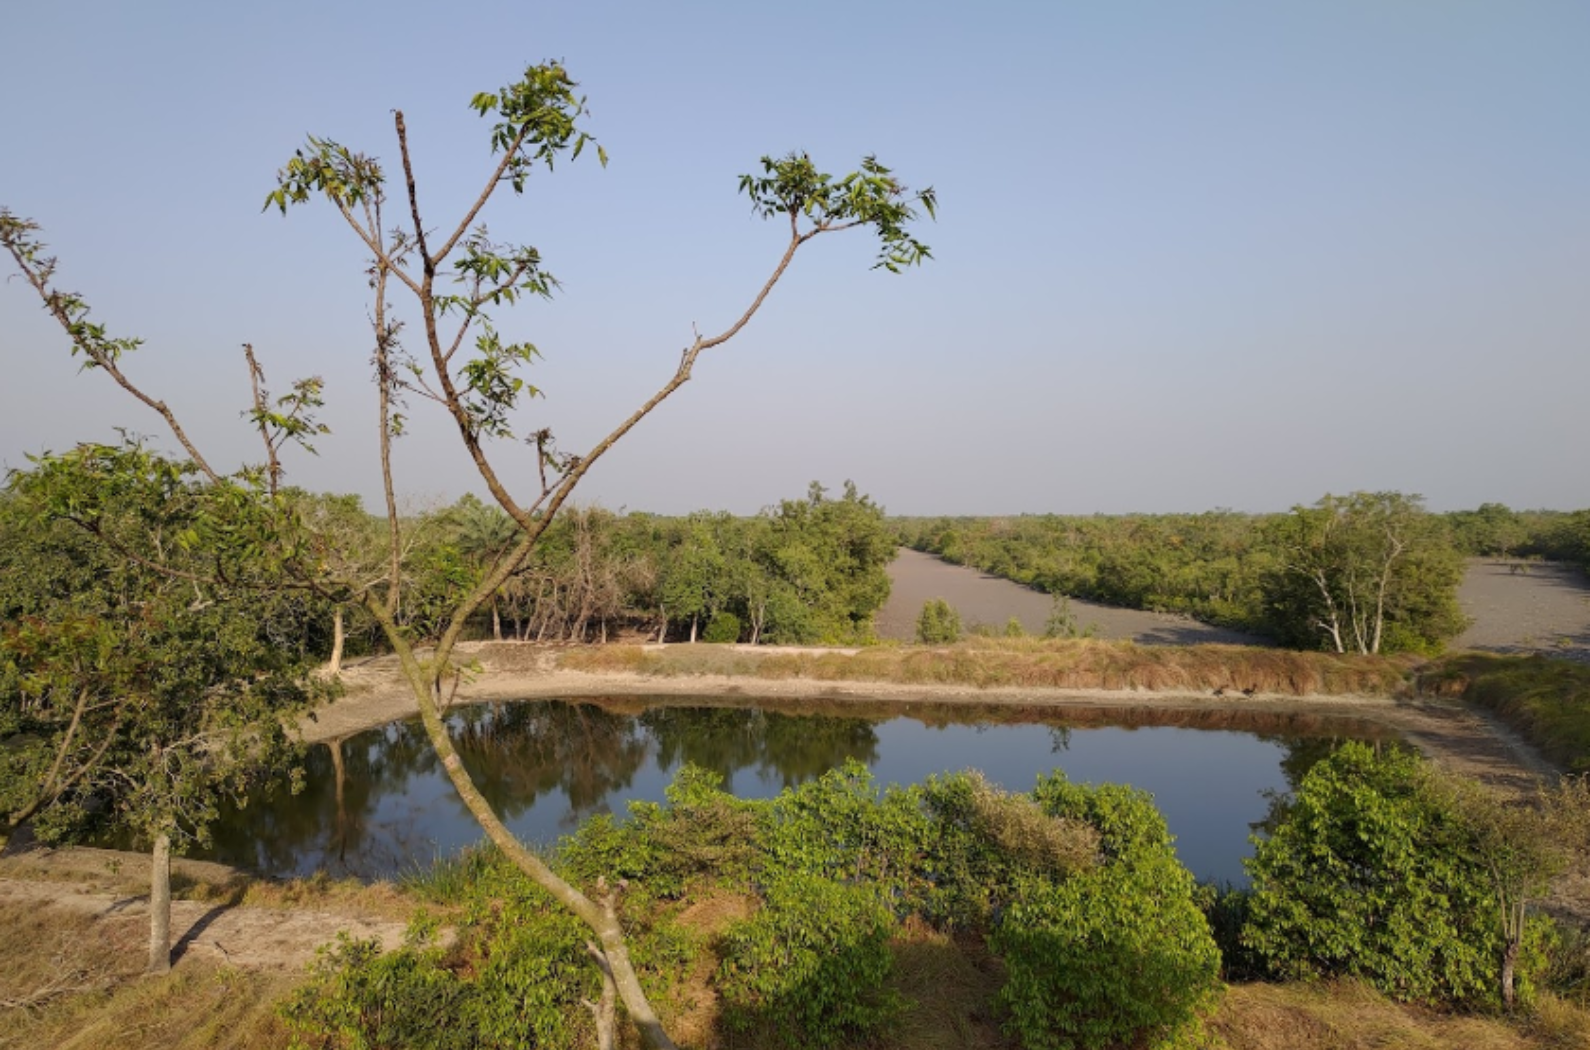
(601, 918)
(1509, 963)
(496, 621)
(338, 637)
(693, 630)
(160, 906)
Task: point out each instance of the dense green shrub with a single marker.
(808, 969)
(1075, 886)
(361, 999)
(723, 629)
(1117, 954)
(703, 832)
(984, 844)
(1369, 874)
(840, 827)
(1125, 817)
(938, 623)
(513, 980)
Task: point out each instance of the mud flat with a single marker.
(984, 599)
(1526, 607)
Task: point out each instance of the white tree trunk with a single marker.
(160, 906)
(338, 637)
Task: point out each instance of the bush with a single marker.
(839, 827)
(809, 968)
(986, 843)
(1368, 874)
(1117, 954)
(513, 980)
(938, 624)
(724, 629)
(360, 999)
(703, 832)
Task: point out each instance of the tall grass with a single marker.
(985, 663)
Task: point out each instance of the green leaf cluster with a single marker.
(528, 975)
(808, 968)
(870, 196)
(144, 678)
(536, 121)
(1371, 874)
(938, 623)
(1115, 954)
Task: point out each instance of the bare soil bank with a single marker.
(111, 887)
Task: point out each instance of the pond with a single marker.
(377, 804)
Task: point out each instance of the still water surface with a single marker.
(378, 804)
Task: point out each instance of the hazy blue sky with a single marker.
(1189, 254)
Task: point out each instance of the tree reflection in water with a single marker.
(783, 750)
(377, 803)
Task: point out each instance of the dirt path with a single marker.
(983, 599)
(273, 938)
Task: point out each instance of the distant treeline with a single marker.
(806, 571)
(1325, 576)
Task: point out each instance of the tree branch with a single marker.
(37, 274)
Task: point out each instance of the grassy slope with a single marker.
(1547, 700)
(1027, 663)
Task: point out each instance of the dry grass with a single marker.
(950, 987)
(110, 871)
(1083, 664)
(1350, 1016)
(76, 985)
(320, 893)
